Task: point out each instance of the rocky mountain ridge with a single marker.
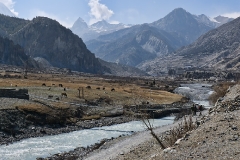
(218, 49)
(140, 43)
(46, 38)
(134, 45)
(88, 32)
(51, 45)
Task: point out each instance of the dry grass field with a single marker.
(109, 93)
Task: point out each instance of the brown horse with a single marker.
(64, 94)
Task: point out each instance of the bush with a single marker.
(178, 132)
(220, 90)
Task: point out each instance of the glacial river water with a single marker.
(198, 92)
(32, 148)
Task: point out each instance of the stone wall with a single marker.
(13, 93)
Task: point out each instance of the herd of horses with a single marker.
(64, 94)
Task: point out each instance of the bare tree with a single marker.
(146, 120)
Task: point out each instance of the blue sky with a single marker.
(114, 11)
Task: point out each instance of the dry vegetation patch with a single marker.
(220, 90)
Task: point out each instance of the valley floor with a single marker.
(217, 137)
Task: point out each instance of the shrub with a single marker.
(220, 90)
(178, 132)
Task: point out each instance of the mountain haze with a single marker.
(184, 24)
(132, 46)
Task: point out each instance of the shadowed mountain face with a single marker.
(46, 38)
(12, 54)
(217, 49)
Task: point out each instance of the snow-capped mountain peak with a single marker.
(88, 32)
(4, 10)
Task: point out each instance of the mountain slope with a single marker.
(222, 20)
(183, 23)
(133, 45)
(46, 38)
(12, 54)
(140, 43)
(218, 49)
(11, 25)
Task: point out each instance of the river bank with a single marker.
(24, 129)
(216, 137)
(16, 126)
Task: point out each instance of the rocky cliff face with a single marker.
(46, 38)
(12, 54)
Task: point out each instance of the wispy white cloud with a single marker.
(10, 5)
(114, 22)
(232, 15)
(98, 11)
(130, 16)
(65, 22)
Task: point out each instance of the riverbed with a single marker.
(198, 93)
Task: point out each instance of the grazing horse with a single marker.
(64, 94)
(88, 87)
(112, 89)
(60, 85)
